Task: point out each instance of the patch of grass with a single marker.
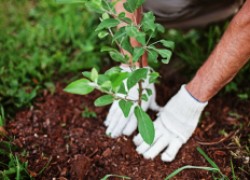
(88, 114)
(41, 40)
(217, 174)
(10, 166)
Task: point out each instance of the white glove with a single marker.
(173, 127)
(116, 122)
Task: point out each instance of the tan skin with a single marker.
(229, 56)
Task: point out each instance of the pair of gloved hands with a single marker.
(175, 124)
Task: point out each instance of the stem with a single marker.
(140, 85)
(96, 86)
(119, 46)
(141, 66)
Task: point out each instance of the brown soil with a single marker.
(56, 136)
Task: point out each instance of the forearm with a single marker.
(230, 55)
(136, 18)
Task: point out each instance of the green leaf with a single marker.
(102, 34)
(149, 91)
(141, 38)
(117, 79)
(94, 75)
(160, 28)
(168, 44)
(126, 45)
(138, 52)
(122, 14)
(102, 78)
(148, 22)
(145, 125)
(144, 97)
(131, 31)
(113, 70)
(104, 100)
(165, 61)
(122, 89)
(136, 76)
(105, 16)
(153, 77)
(70, 1)
(106, 85)
(107, 23)
(118, 57)
(106, 48)
(123, 17)
(132, 5)
(95, 6)
(86, 74)
(125, 107)
(152, 56)
(165, 53)
(120, 34)
(81, 87)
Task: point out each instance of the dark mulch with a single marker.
(56, 136)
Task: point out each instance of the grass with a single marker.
(40, 41)
(10, 166)
(216, 172)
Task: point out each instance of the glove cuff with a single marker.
(182, 113)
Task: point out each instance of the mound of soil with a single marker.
(60, 140)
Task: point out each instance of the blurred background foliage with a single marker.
(41, 41)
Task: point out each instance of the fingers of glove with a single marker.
(137, 140)
(143, 147)
(157, 147)
(169, 154)
(111, 113)
(130, 126)
(120, 125)
(154, 106)
(115, 119)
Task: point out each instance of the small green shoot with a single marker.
(88, 114)
(189, 167)
(114, 175)
(214, 169)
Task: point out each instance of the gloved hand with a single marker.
(173, 127)
(116, 122)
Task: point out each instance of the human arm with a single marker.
(180, 116)
(229, 56)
